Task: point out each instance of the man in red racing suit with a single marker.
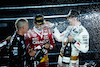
(37, 38)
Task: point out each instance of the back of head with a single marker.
(20, 22)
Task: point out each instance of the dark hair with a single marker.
(74, 13)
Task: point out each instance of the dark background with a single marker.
(92, 23)
(41, 2)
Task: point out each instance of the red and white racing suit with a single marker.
(36, 40)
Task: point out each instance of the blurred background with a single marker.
(10, 10)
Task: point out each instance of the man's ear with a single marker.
(23, 27)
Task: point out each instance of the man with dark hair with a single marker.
(76, 39)
(40, 40)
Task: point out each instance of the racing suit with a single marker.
(80, 43)
(17, 50)
(37, 40)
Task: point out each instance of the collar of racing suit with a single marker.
(37, 30)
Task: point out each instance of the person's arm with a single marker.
(28, 43)
(27, 40)
(64, 43)
(2, 43)
(51, 38)
(5, 41)
(82, 42)
(57, 35)
(65, 40)
(49, 24)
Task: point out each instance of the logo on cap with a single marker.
(39, 19)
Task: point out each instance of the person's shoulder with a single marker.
(30, 30)
(45, 28)
(82, 27)
(14, 39)
(29, 33)
(48, 29)
(83, 30)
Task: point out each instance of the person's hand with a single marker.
(32, 52)
(70, 38)
(49, 24)
(61, 54)
(47, 46)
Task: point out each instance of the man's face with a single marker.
(71, 20)
(39, 27)
(26, 27)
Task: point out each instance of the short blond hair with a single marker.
(20, 22)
